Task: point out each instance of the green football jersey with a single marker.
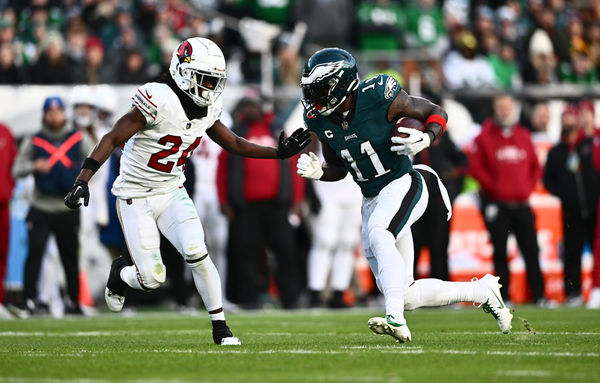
(364, 144)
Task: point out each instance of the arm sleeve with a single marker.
(145, 100)
(222, 177)
(24, 163)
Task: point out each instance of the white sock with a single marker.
(392, 271)
(208, 283)
(129, 275)
(435, 292)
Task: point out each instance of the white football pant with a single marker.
(388, 247)
(175, 216)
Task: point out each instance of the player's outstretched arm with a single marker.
(331, 170)
(122, 130)
(286, 147)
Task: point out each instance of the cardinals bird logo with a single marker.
(184, 52)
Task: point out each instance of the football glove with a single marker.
(309, 166)
(291, 145)
(79, 190)
(412, 144)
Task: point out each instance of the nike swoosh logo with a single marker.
(147, 94)
(499, 300)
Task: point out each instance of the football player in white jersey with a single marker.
(336, 234)
(164, 125)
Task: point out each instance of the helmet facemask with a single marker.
(204, 87)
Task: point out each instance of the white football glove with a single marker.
(411, 145)
(309, 166)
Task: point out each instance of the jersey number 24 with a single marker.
(166, 167)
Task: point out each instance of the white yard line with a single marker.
(498, 333)
(526, 373)
(15, 379)
(258, 333)
(343, 350)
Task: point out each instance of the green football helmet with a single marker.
(329, 76)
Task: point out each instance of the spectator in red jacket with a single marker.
(504, 162)
(258, 196)
(8, 152)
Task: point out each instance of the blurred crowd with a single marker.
(452, 44)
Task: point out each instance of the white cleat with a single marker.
(231, 341)
(385, 326)
(494, 303)
(594, 301)
(113, 301)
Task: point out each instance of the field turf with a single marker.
(305, 346)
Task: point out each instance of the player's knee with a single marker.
(155, 277)
(197, 260)
(411, 299)
(379, 235)
(193, 249)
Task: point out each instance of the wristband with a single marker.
(92, 164)
(437, 119)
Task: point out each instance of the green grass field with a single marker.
(321, 346)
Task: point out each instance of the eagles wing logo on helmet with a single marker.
(321, 71)
(184, 52)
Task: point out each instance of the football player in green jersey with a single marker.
(354, 120)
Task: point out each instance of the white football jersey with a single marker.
(153, 159)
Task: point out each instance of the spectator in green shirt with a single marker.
(580, 69)
(424, 24)
(380, 25)
(505, 67)
(274, 12)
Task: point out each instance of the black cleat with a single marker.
(114, 293)
(337, 300)
(222, 334)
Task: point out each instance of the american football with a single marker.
(407, 122)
